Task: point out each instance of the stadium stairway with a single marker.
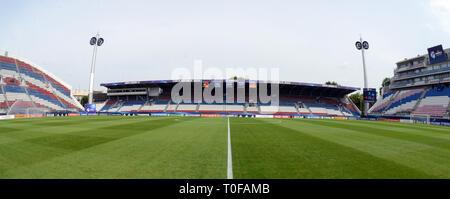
(340, 110)
(382, 103)
(108, 105)
(176, 107)
(435, 103)
(391, 100)
(296, 108)
(349, 107)
(5, 98)
(197, 108)
(419, 100)
(304, 105)
(23, 84)
(404, 102)
(448, 107)
(167, 106)
(120, 106)
(105, 104)
(139, 109)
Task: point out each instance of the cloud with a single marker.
(441, 10)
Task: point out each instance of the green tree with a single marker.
(386, 82)
(84, 100)
(331, 83)
(357, 99)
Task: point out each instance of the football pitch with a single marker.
(193, 147)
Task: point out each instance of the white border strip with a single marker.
(230, 164)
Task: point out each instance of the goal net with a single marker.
(25, 108)
(420, 119)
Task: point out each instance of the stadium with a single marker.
(139, 131)
(295, 99)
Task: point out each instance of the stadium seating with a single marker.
(158, 106)
(171, 107)
(317, 109)
(288, 104)
(294, 106)
(434, 103)
(115, 107)
(252, 108)
(99, 105)
(186, 107)
(3, 104)
(381, 103)
(15, 93)
(27, 85)
(212, 108)
(132, 106)
(348, 108)
(108, 104)
(404, 101)
(325, 106)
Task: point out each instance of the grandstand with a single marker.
(27, 88)
(419, 86)
(296, 98)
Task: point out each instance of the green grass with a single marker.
(183, 147)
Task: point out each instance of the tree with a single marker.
(84, 100)
(386, 82)
(357, 99)
(331, 83)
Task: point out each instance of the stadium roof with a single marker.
(304, 88)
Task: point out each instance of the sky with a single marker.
(308, 41)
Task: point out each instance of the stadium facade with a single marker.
(420, 86)
(26, 88)
(295, 99)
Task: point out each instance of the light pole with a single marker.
(95, 41)
(363, 45)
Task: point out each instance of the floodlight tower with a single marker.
(363, 45)
(95, 41)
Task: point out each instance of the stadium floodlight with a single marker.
(95, 41)
(363, 45)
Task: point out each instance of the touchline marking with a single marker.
(230, 164)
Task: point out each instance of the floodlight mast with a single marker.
(364, 64)
(95, 41)
(363, 45)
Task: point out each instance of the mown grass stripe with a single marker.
(432, 160)
(384, 130)
(269, 150)
(178, 149)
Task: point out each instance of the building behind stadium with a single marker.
(420, 86)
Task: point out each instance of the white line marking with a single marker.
(230, 164)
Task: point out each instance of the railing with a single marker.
(429, 72)
(415, 66)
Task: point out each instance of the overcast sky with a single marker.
(309, 41)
